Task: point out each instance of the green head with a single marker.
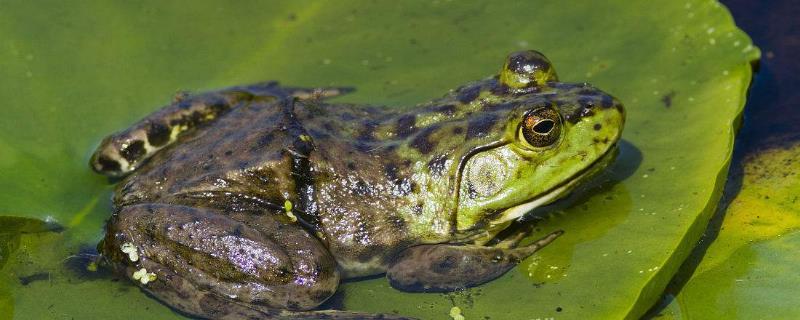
(550, 137)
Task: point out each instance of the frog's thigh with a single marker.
(206, 263)
(443, 267)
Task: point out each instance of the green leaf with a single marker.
(11, 228)
(749, 271)
(74, 72)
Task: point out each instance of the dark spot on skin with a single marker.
(597, 127)
(134, 151)
(458, 130)
(436, 165)
(418, 208)
(466, 95)
(391, 171)
(607, 102)
(107, 164)
(586, 102)
(585, 111)
(471, 192)
(405, 125)
(498, 89)
(237, 231)
(228, 153)
(422, 142)
(397, 223)
(667, 99)
(361, 188)
(481, 126)
(404, 186)
(351, 165)
(158, 134)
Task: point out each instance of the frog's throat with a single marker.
(556, 192)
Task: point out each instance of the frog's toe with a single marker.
(116, 157)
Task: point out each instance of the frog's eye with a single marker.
(525, 69)
(540, 128)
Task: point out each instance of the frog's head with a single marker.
(550, 137)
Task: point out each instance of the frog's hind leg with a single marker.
(214, 265)
(445, 267)
(122, 152)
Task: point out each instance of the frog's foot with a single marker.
(206, 263)
(173, 290)
(122, 152)
(512, 241)
(444, 267)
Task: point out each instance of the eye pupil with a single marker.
(544, 127)
(540, 127)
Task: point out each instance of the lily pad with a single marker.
(749, 269)
(77, 71)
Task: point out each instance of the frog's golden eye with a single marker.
(540, 128)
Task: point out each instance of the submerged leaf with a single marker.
(12, 227)
(750, 270)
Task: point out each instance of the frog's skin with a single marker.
(254, 201)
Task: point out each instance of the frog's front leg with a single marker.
(446, 267)
(122, 152)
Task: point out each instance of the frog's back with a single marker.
(245, 156)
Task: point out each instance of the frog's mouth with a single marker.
(556, 192)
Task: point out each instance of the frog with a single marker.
(256, 201)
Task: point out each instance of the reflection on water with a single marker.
(587, 214)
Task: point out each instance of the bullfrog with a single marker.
(255, 201)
